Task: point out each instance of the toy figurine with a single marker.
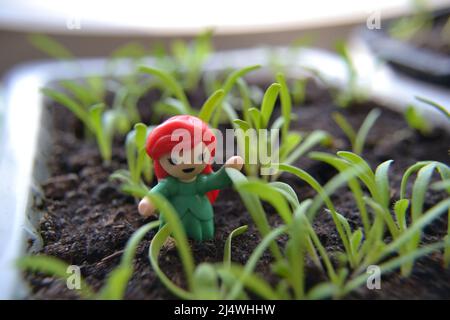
(182, 149)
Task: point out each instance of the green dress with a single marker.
(191, 203)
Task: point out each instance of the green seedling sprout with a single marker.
(378, 185)
(280, 62)
(352, 93)
(140, 169)
(185, 60)
(130, 88)
(50, 47)
(406, 28)
(416, 120)
(255, 209)
(290, 266)
(180, 103)
(424, 174)
(291, 147)
(299, 90)
(274, 195)
(227, 249)
(370, 249)
(98, 121)
(88, 94)
(190, 58)
(357, 139)
(435, 105)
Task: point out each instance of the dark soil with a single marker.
(87, 221)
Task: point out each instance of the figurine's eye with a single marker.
(173, 162)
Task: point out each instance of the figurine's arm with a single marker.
(146, 207)
(220, 179)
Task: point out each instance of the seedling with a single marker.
(417, 121)
(353, 92)
(190, 59)
(280, 61)
(357, 139)
(87, 94)
(140, 168)
(98, 121)
(131, 87)
(50, 47)
(379, 201)
(299, 90)
(181, 105)
(361, 249)
(435, 105)
(406, 28)
(291, 146)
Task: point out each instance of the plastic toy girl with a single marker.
(182, 149)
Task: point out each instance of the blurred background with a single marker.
(97, 27)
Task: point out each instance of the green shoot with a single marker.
(291, 147)
(227, 249)
(206, 111)
(357, 139)
(190, 58)
(180, 104)
(130, 88)
(416, 120)
(299, 91)
(100, 122)
(90, 93)
(406, 28)
(171, 84)
(140, 168)
(249, 267)
(255, 209)
(172, 226)
(352, 93)
(418, 197)
(50, 47)
(435, 105)
(378, 185)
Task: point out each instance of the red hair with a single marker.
(161, 141)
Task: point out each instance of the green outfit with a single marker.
(191, 203)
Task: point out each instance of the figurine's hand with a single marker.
(235, 162)
(146, 207)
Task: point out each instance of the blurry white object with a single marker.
(190, 17)
(394, 89)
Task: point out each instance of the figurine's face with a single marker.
(186, 165)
